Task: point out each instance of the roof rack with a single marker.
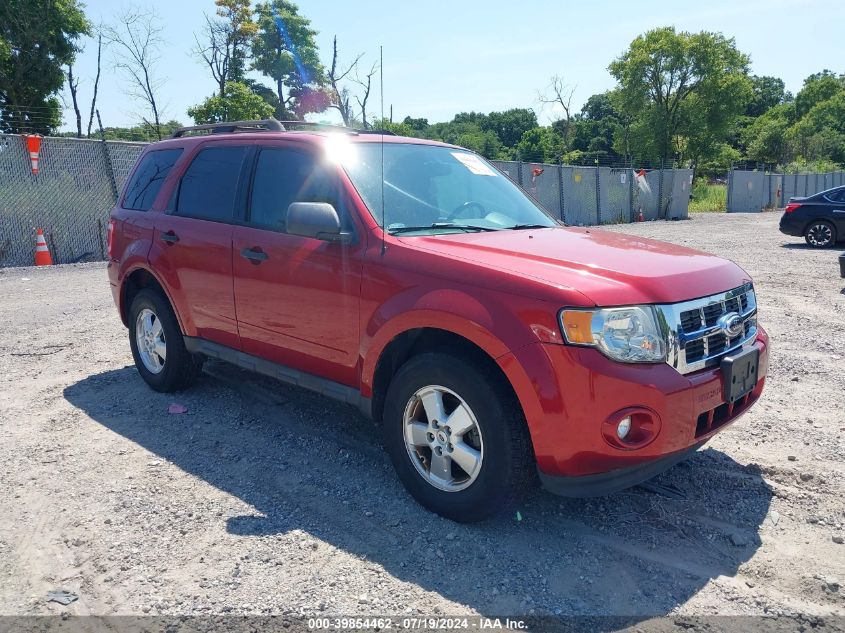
(330, 126)
(262, 125)
(268, 125)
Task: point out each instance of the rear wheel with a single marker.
(457, 437)
(820, 234)
(157, 344)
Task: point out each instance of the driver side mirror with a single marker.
(316, 219)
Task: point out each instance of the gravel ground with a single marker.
(264, 499)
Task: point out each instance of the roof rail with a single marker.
(380, 132)
(268, 125)
(309, 124)
(262, 125)
(330, 126)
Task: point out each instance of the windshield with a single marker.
(428, 189)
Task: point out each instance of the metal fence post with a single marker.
(728, 202)
(561, 202)
(598, 196)
(660, 193)
(519, 173)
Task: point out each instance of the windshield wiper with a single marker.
(519, 227)
(439, 225)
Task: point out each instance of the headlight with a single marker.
(627, 335)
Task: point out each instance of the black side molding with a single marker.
(328, 388)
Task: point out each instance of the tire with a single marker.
(820, 234)
(176, 368)
(504, 468)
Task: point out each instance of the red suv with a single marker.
(414, 280)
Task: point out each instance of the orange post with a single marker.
(42, 253)
(33, 146)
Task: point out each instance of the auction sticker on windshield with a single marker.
(474, 164)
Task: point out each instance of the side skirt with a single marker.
(328, 388)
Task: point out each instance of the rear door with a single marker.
(192, 242)
(837, 211)
(297, 298)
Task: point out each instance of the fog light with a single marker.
(631, 429)
(623, 427)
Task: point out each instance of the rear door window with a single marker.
(209, 187)
(284, 175)
(143, 187)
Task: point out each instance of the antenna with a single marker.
(381, 96)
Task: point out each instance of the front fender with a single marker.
(497, 323)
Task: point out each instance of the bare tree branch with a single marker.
(96, 80)
(340, 94)
(137, 40)
(73, 84)
(366, 85)
(217, 52)
(558, 93)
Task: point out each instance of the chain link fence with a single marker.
(582, 196)
(753, 191)
(77, 184)
(79, 181)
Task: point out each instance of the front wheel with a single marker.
(456, 437)
(820, 234)
(157, 344)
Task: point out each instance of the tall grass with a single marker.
(708, 197)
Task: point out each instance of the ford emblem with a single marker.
(731, 324)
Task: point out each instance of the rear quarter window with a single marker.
(146, 181)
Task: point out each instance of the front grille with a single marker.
(700, 339)
(713, 419)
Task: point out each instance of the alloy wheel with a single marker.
(149, 336)
(820, 234)
(443, 438)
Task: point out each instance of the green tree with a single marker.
(509, 125)
(226, 41)
(400, 129)
(595, 130)
(767, 93)
(817, 87)
(238, 103)
(820, 133)
(683, 91)
(765, 138)
(540, 145)
(139, 132)
(37, 39)
(285, 49)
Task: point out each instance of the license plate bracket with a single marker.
(740, 371)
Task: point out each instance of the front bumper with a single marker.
(568, 394)
(607, 483)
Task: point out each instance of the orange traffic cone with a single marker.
(42, 253)
(33, 146)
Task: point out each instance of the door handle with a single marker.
(170, 237)
(255, 255)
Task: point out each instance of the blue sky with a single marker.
(445, 57)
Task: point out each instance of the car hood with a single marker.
(608, 268)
